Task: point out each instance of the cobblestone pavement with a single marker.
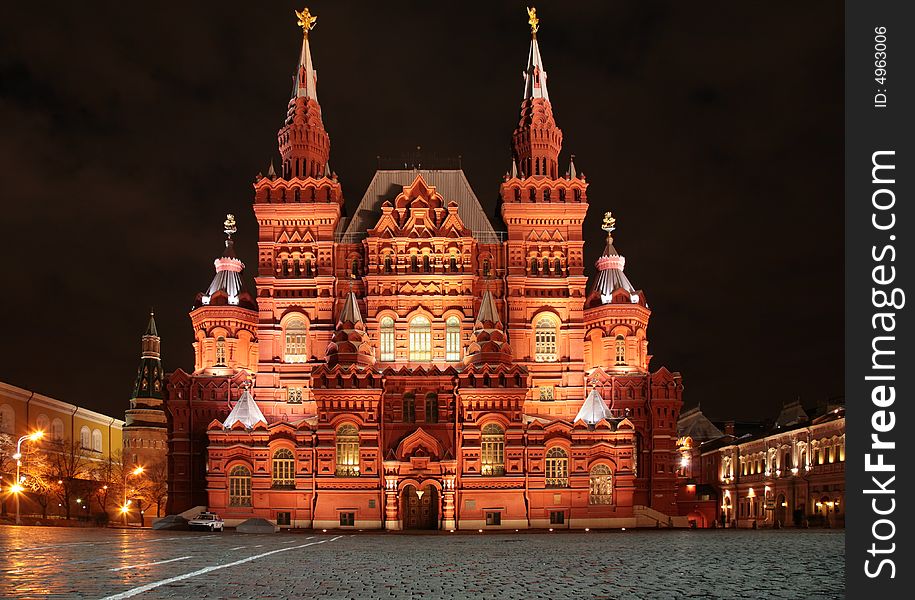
(650, 565)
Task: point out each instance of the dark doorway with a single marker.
(420, 508)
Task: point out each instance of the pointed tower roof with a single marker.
(593, 409)
(227, 286)
(149, 382)
(350, 343)
(488, 343)
(245, 412)
(151, 326)
(535, 73)
(792, 413)
(694, 424)
(306, 78)
(610, 275)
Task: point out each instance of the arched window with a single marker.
(308, 271)
(57, 430)
(85, 438)
(452, 263)
(220, 351)
(620, 350)
(7, 419)
(601, 490)
(96, 440)
(426, 266)
(535, 264)
(545, 340)
(492, 450)
(354, 268)
(388, 264)
(409, 407)
(387, 339)
(414, 264)
(546, 266)
(546, 193)
(562, 194)
(557, 266)
(420, 339)
(347, 451)
(283, 468)
(296, 337)
(557, 468)
(486, 268)
(240, 486)
(43, 423)
(431, 407)
(452, 339)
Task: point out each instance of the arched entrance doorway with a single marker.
(420, 507)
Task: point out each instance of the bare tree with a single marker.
(108, 478)
(155, 485)
(38, 479)
(68, 464)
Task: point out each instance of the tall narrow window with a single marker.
(388, 264)
(426, 265)
(283, 468)
(296, 337)
(409, 407)
(535, 264)
(220, 351)
(387, 339)
(545, 340)
(620, 350)
(557, 468)
(414, 263)
(452, 262)
(85, 438)
(57, 430)
(96, 440)
(431, 407)
(452, 339)
(347, 451)
(557, 266)
(486, 268)
(308, 271)
(546, 266)
(420, 339)
(354, 269)
(546, 194)
(492, 450)
(240, 486)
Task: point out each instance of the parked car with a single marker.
(206, 520)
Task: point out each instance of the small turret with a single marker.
(350, 343)
(488, 343)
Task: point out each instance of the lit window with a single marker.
(296, 336)
(546, 393)
(452, 339)
(85, 438)
(601, 490)
(387, 339)
(220, 351)
(43, 423)
(347, 451)
(294, 395)
(492, 450)
(545, 340)
(240, 486)
(283, 468)
(57, 430)
(420, 339)
(431, 407)
(96, 440)
(620, 350)
(557, 468)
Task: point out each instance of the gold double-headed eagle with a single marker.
(609, 222)
(229, 225)
(532, 19)
(306, 20)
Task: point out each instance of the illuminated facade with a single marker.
(418, 364)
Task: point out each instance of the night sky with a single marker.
(713, 131)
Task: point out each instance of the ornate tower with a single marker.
(225, 318)
(297, 214)
(145, 430)
(543, 213)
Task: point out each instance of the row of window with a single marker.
(547, 194)
(88, 439)
(420, 340)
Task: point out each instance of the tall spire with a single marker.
(488, 343)
(537, 140)
(304, 144)
(149, 381)
(350, 343)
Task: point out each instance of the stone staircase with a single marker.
(648, 517)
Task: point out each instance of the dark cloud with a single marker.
(712, 130)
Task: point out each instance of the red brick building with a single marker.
(418, 364)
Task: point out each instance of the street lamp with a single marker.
(125, 508)
(16, 488)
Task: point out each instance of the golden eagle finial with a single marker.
(306, 20)
(229, 225)
(609, 223)
(532, 19)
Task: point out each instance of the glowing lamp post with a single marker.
(125, 508)
(16, 488)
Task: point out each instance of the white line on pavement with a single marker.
(237, 548)
(151, 586)
(161, 562)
